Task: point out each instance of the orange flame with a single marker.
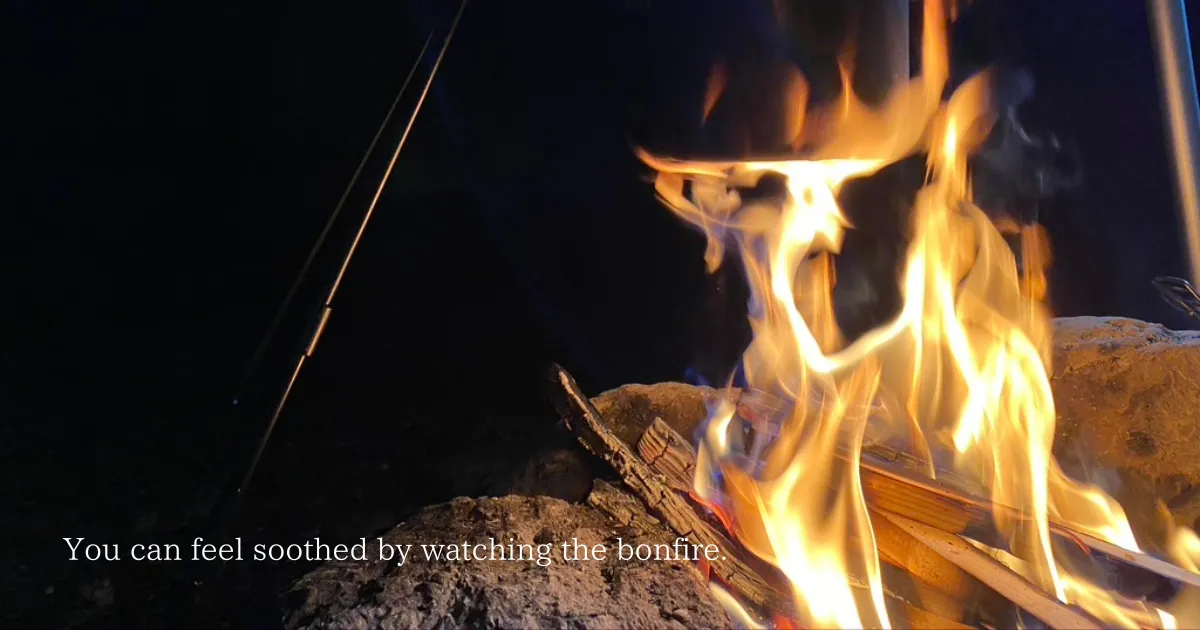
(961, 372)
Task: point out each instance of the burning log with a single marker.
(996, 575)
(918, 526)
(661, 494)
(939, 505)
(668, 453)
(939, 610)
(894, 482)
(936, 583)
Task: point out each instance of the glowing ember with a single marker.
(959, 376)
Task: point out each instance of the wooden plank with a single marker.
(667, 452)
(991, 572)
(935, 584)
(897, 482)
(1140, 560)
(582, 419)
(733, 571)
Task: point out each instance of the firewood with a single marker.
(936, 584)
(907, 615)
(902, 550)
(899, 483)
(895, 489)
(668, 453)
(619, 506)
(1140, 560)
(938, 504)
(914, 516)
(990, 571)
(933, 613)
(661, 497)
(893, 483)
(672, 456)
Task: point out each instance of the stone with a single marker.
(1127, 396)
(631, 408)
(599, 594)
(562, 473)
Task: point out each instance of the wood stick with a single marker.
(898, 490)
(941, 615)
(620, 506)
(661, 498)
(934, 583)
(928, 511)
(897, 482)
(1140, 560)
(583, 419)
(935, 587)
(990, 571)
(887, 488)
(667, 452)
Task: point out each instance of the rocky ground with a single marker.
(1127, 399)
(594, 594)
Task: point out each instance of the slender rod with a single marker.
(395, 155)
(323, 317)
(1177, 85)
(273, 329)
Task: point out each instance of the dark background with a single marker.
(170, 166)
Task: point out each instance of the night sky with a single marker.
(170, 166)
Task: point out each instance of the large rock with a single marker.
(1128, 400)
(598, 594)
(629, 409)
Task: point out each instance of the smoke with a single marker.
(1020, 166)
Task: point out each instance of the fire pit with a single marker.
(967, 463)
(1104, 369)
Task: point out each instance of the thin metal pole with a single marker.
(326, 310)
(260, 351)
(1177, 83)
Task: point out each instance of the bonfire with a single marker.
(901, 477)
(956, 383)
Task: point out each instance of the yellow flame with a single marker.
(966, 357)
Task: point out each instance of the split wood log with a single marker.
(629, 511)
(898, 490)
(583, 420)
(1016, 588)
(899, 483)
(661, 496)
(892, 483)
(668, 453)
(620, 506)
(923, 577)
